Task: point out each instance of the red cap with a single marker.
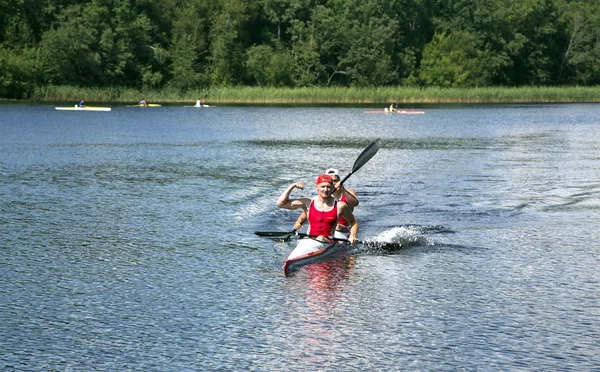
(324, 178)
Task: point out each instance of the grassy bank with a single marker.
(365, 96)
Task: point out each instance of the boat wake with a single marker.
(400, 237)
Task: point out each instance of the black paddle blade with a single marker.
(366, 155)
(362, 159)
(274, 233)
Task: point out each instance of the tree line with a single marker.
(193, 44)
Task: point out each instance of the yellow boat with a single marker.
(147, 105)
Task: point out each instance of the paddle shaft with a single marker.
(302, 235)
(283, 234)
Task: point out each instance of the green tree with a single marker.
(454, 60)
(521, 36)
(346, 42)
(533, 49)
(306, 54)
(270, 67)
(70, 53)
(231, 30)
(257, 62)
(18, 72)
(134, 53)
(189, 47)
(581, 57)
(103, 43)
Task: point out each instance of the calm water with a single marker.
(126, 240)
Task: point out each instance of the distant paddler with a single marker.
(81, 104)
(143, 102)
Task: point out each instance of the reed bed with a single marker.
(323, 95)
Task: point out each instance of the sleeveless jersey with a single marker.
(322, 222)
(342, 220)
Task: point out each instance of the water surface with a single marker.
(126, 239)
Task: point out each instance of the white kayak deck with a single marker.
(309, 250)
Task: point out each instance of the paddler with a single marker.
(323, 210)
(143, 102)
(81, 104)
(392, 109)
(198, 103)
(341, 193)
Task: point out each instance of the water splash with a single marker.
(400, 237)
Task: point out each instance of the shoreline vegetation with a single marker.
(322, 95)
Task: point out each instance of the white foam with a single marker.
(402, 235)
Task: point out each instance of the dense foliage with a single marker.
(193, 44)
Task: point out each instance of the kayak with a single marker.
(407, 112)
(199, 106)
(308, 251)
(148, 105)
(85, 108)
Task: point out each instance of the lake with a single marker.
(127, 239)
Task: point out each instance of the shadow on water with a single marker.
(340, 142)
(427, 143)
(436, 143)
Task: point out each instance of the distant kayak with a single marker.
(148, 105)
(203, 106)
(84, 108)
(407, 112)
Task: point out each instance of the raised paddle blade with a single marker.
(362, 159)
(365, 156)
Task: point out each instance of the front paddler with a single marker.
(341, 193)
(323, 210)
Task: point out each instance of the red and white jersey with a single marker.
(342, 220)
(322, 222)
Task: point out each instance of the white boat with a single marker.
(397, 111)
(84, 108)
(309, 250)
(203, 106)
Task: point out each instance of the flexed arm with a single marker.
(285, 202)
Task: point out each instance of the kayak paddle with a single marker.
(302, 235)
(283, 234)
(362, 159)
